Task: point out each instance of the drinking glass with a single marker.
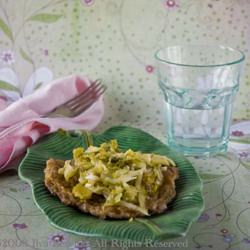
(199, 83)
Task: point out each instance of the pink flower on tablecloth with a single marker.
(88, 2)
(237, 133)
(25, 186)
(7, 57)
(149, 68)
(243, 154)
(246, 240)
(57, 239)
(81, 245)
(228, 238)
(203, 218)
(19, 226)
(171, 4)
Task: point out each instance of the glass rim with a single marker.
(241, 56)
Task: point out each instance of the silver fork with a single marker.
(81, 102)
(73, 107)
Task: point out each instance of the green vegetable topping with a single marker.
(121, 178)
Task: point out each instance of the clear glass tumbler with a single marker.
(199, 83)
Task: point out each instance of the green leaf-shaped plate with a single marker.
(183, 210)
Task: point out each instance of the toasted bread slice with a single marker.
(95, 206)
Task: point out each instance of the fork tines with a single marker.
(87, 97)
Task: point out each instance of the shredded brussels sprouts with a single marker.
(121, 178)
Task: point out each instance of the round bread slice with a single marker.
(57, 185)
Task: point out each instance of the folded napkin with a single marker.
(21, 123)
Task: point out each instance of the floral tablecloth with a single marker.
(224, 224)
(115, 40)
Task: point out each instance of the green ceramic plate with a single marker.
(175, 222)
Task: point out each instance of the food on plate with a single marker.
(109, 183)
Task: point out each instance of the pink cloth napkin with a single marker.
(21, 124)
